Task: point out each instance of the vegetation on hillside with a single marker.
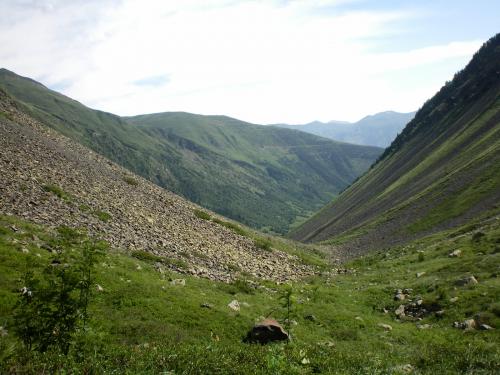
(142, 321)
(264, 177)
(443, 170)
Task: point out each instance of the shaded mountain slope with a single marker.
(379, 129)
(441, 171)
(262, 176)
(49, 179)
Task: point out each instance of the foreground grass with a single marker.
(142, 323)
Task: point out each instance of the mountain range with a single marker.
(104, 271)
(378, 130)
(265, 177)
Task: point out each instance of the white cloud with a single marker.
(260, 61)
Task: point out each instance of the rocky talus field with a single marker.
(49, 179)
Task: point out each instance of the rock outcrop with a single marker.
(266, 331)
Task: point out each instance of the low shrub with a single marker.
(102, 215)
(146, 257)
(57, 191)
(235, 228)
(201, 214)
(263, 243)
(130, 180)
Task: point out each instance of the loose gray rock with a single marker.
(234, 305)
(485, 327)
(386, 327)
(467, 280)
(399, 297)
(311, 318)
(400, 311)
(180, 282)
(468, 324)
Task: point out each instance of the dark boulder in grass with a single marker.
(266, 331)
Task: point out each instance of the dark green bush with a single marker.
(52, 303)
(57, 191)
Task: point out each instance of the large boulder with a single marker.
(266, 331)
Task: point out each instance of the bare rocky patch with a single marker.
(89, 191)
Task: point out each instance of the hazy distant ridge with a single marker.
(375, 130)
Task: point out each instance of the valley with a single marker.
(178, 243)
(268, 178)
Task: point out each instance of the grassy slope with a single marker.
(262, 176)
(269, 168)
(143, 324)
(441, 171)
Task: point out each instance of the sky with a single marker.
(272, 61)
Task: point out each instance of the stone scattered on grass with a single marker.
(423, 326)
(404, 369)
(453, 299)
(99, 288)
(468, 324)
(485, 327)
(181, 282)
(3, 332)
(234, 305)
(386, 327)
(455, 253)
(266, 331)
(467, 280)
(399, 297)
(402, 294)
(439, 313)
(310, 317)
(420, 274)
(207, 305)
(400, 311)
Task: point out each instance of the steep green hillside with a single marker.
(379, 129)
(252, 173)
(265, 177)
(345, 323)
(442, 170)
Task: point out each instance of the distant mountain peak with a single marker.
(378, 129)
